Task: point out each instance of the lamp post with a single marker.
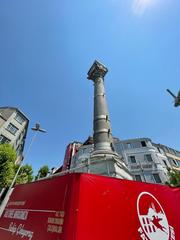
(176, 98)
(36, 129)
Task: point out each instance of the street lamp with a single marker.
(36, 129)
(176, 98)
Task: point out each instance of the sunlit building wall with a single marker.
(13, 129)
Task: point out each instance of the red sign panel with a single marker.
(39, 210)
(90, 207)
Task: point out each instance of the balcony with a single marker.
(143, 165)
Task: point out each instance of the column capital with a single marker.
(97, 70)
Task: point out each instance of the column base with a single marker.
(105, 164)
(109, 164)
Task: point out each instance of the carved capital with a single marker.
(97, 70)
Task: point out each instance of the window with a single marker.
(143, 143)
(19, 118)
(167, 149)
(138, 178)
(12, 129)
(172, 151)
(148, 158)
(19, 150)
(136, 145)
(118, 147)
(149, 178)
(158, 149)
(157, 178)
(3, 139)
(129, 146)
(165, 163)
(132, 159)
(174, 162)
(178, 153)
(18, 138)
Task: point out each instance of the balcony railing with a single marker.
(143, 165)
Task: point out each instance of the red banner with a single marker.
(90, 207)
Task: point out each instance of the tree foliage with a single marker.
(43, 172)
(7, 163)
(174, 178)
(25, 174)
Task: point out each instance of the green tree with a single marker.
(43, 172)
(7, 163)
(25, 174)
(174, 178)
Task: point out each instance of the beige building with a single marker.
(13, 129)
(172, 155)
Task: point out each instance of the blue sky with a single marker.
(47, 48)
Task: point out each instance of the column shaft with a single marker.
(102, 130)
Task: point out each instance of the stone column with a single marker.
(104, 160)
(102, 130)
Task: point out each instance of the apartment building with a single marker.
(144, 160)
(13, 129)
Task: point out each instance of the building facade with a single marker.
(147, 161)
(144, 160)
(13, 129)
(172, 155)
